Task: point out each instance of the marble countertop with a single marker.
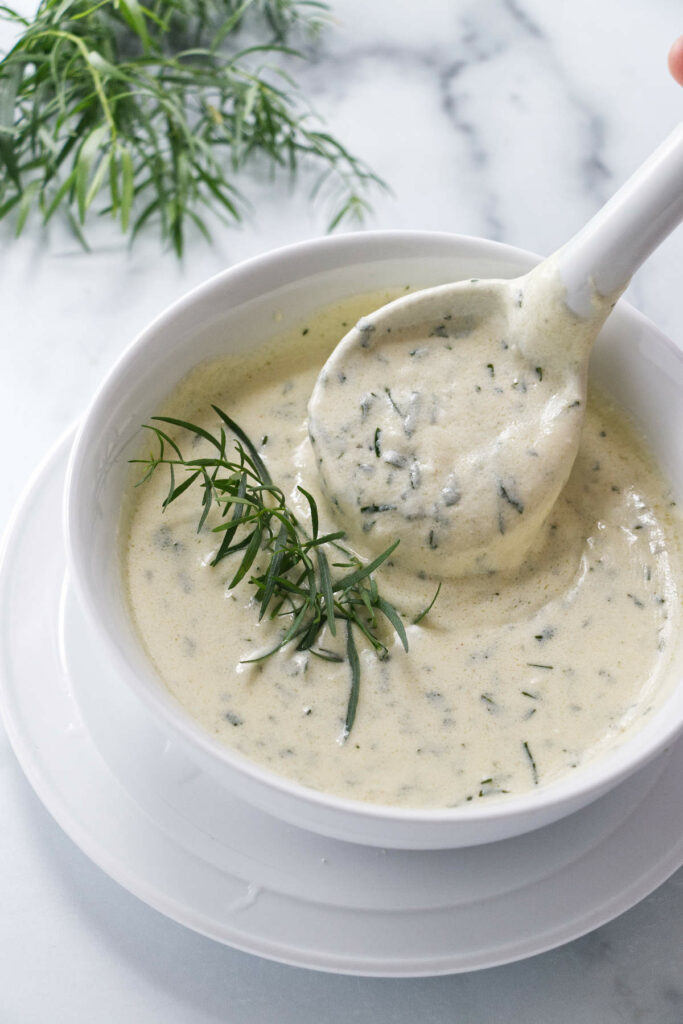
(511, 119)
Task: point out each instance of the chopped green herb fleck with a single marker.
(505, 494)
(534, 769)
(371, 509)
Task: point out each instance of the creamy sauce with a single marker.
(452, 418)
(511, 681)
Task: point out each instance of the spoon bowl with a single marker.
(450, 420)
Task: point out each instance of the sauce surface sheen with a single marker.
(512, 680)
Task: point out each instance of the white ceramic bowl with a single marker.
(632, 360)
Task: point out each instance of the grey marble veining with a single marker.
(513, 119)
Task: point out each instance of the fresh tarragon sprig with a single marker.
(297, 580)
(150, 112)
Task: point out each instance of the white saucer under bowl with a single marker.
(173, 836)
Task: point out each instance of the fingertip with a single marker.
(676, 60)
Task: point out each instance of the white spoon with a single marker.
(451, 417)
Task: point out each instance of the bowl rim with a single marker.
(590, 780)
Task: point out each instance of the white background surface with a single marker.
(512, 119)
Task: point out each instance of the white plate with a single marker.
(174, 837)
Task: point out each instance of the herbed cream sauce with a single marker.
(453, 417)
(512, 680)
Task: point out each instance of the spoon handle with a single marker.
(605, 254)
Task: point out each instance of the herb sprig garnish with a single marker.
(294, 579)
(148, 111)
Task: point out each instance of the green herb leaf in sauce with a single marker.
(532, 762)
